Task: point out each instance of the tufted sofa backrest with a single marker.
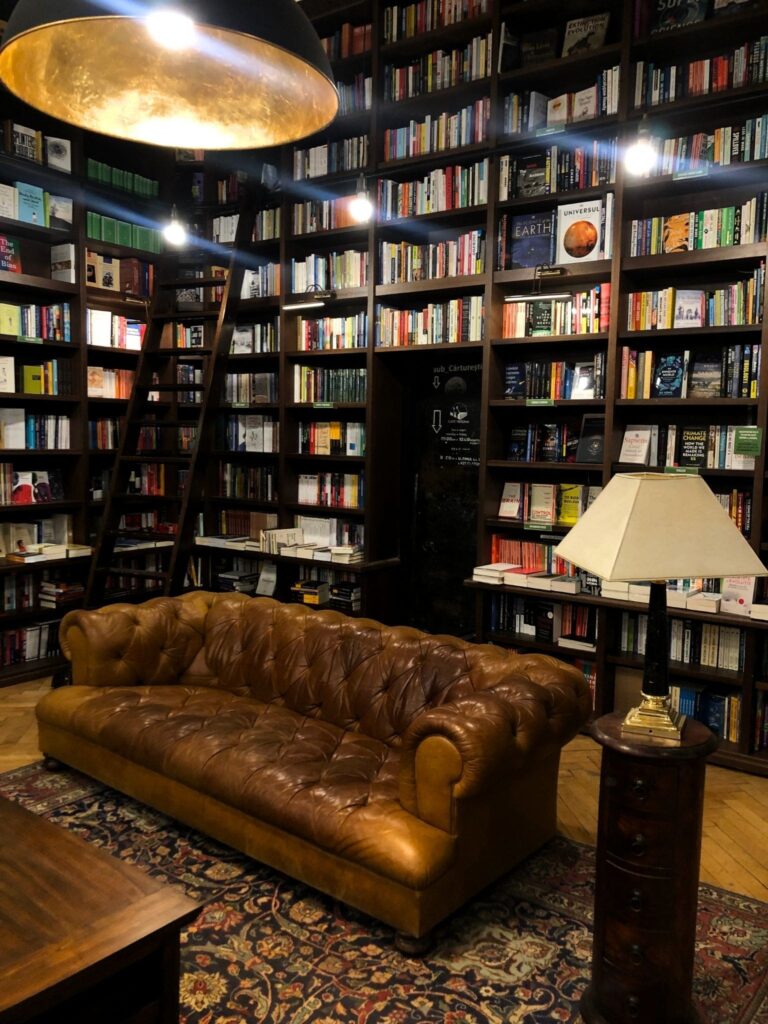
(355, 673)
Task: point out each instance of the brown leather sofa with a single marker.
(397, 771)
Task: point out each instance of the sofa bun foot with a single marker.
(410, 945)
(51, 764)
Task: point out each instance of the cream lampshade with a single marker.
(658, 527)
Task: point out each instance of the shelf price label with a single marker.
(748, 441)
(555, 129)
(539, 401)
(698, 172)
(682, 470)
(322, 405)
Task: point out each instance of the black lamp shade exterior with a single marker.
(256, 76)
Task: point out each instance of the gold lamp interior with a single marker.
(229, 91)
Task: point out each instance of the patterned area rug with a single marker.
(269, 949)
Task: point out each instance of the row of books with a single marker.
(544, 442)
(224, 228)
(32, 144)
(355, 95)
(347, 40)
(691, 642)
(257, 338)
(530, 556)
(118, 177)
(439, 69)
(30, 204)
(444, 188)
(439, 132)
(250, 388)
(336, 490)
(331, 158)
(405, 262)
(729, 144)
(120, 232)
(30, 644)
(720, 711)
(558, 168)
(106, 383)
(760, 737)
(19, 429)
(572, 233)
(147, 478)
(249, 434)
(702, 447)
(29, 487)
(254, 482)
(266, 225)
(348, 269)
(527, 49)
(54, 531)
(581, 313)
(52, 377)
(730, 372)
(530, 111)
(333, 332)
(19, 592)
(404, 21)
(566, 625)
(701, 229)
(736, 68)
(331, 437)
(556, 379)
(192, 374)
(261, 282)
(545, 505)
(40, 323)
(146, 521)
(315, 215)
(733, 305)
(131, 276)
(320, 384)
(109, 330)
(438, 323)
(103, 434)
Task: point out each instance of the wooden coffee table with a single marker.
(83, 936)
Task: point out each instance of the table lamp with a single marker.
(657, 527)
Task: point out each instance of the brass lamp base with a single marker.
(655, 718)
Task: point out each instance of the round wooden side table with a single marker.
(647, 876)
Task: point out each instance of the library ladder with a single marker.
(153, 395)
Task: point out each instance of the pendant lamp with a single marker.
(196, 74)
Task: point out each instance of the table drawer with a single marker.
(640, 900)
(638, 785)
(624, 999)
(642, 841)
(637, 952)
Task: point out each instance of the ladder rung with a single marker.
(144, 574)
(154, 457)
(186, 352)
(193, 282)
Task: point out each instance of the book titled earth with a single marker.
(531, 241)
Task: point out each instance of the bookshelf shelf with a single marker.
(554, 198)
(570, 274)
(446, 98)
(445, 36)
(30, 282)
(334, 511)
(358, 460)
(549, 339)
(331, 353)
(548, 467)
(684, 402)
(122, 251)
(683, 670)
(37, 231)
(708, 32)
(439, 158)
(543, 136)
(690, 333)
(470, 214)
(693, 260)
(545, 71)
(387, 350)
(442, 284)
(546, 403)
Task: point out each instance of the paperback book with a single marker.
(690, 307)
(579, 227)
(705, 376)
(669, 375)
(531, 239)
(672, 14)
(585, 34)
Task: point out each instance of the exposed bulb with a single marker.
(171, 29)
(174, 231)
(640, 158)
(361, 207)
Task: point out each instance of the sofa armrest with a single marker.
(127, 645)
(460, 749)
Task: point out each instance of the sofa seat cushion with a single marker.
(335, 788)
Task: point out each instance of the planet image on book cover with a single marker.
(580, 239)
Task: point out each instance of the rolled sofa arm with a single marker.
(462, 748)
(127, 645)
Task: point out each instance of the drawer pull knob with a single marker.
(633, 1007)
(640, 788)
(638, 844)
(636, 900)
(635, 954)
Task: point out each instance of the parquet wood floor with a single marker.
(734, 851)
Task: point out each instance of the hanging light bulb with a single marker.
(361, 207)
(174, 231)
(171, 29)
(640, 158)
